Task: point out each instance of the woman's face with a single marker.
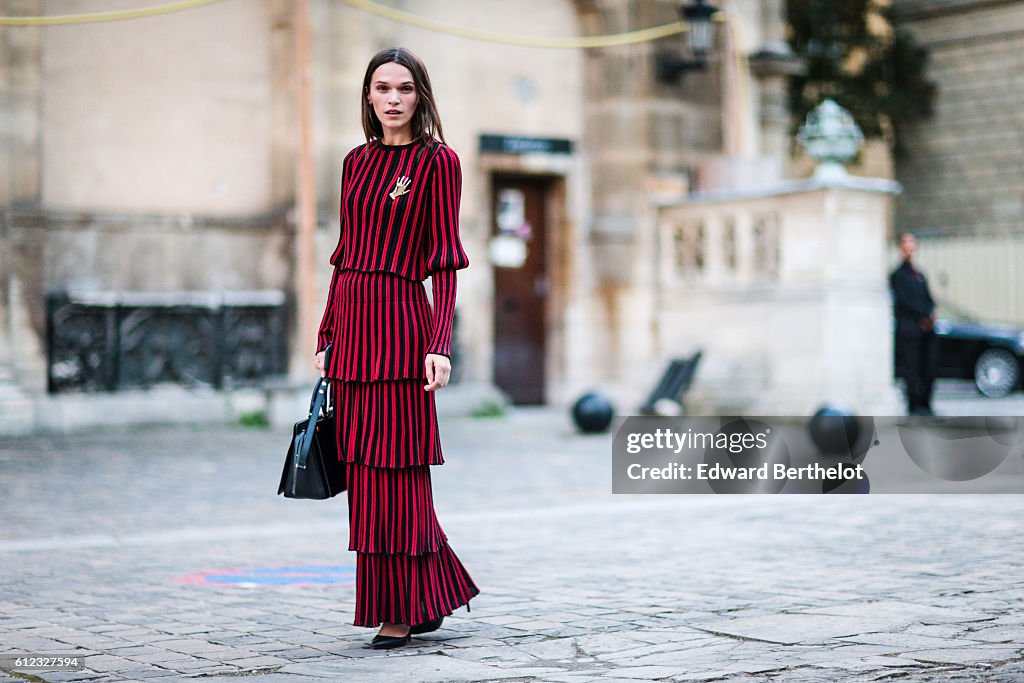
(393, 97)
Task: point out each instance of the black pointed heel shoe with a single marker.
(388, 642)
(427, 626)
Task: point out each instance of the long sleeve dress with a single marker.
(399, 225)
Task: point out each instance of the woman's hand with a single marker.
(320, 363)
(439, 369)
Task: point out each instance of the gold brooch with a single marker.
(401, 187)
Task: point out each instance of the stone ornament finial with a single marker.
(832, 138)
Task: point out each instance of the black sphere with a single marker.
(592, 412)
(834, 430)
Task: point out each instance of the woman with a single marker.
(399, 224)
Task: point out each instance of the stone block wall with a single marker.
(963, 171)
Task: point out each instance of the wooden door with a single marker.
(518, 209)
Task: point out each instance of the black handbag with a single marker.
(312, 468)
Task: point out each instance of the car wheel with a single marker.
(996, 372)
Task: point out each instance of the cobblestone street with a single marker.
(165, 554)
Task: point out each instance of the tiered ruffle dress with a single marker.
(399, 225)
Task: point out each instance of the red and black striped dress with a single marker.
(399, 225)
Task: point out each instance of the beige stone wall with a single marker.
(20, 83)
(164, 114)
(141, 157)
(963, 171)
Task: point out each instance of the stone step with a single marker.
(282, 405)
(17, 410)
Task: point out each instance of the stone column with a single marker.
(20, 82)
(832, 323)
(618, 130)
(640, 134)
(773, 63)
(286, 116)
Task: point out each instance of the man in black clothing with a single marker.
(915, 336)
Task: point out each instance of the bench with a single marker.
(673, 384)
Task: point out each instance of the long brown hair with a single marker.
(426, 123)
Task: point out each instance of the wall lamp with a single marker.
(699, 16)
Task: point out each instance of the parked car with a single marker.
(990, 354)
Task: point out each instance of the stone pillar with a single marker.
(618, 131)
(832, 325)
(20, 74)
(774, 106)
(286, 139)
(640, 134)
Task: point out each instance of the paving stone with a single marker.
(687, 635)
(498, 654)
(996, 634)
(900, 611)
(735, 657)
(296, 654)
(147, 674)
(945, 630)
(62, 676)
(965, 655)
(607, 643)
(744, 668)
(558, 649)
(582, 676)
(133, 652)
(426, 669)
(270, 647)
(472, 641)
(791, 628)
(198, 667)
(635, 654)
(271, 678)
(646, 673)
(908, 641)
(871, 663)
(258, 662)
(158, 657)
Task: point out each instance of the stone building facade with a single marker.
(158, 155)
(963, 171)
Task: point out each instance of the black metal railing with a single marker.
(107, 341)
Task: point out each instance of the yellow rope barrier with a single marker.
(114, 15)
(613, 40)
(629, 38)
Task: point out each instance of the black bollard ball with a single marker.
(592, 412)
(834, 430)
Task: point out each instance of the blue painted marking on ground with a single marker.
(276, 580)
(280, 576)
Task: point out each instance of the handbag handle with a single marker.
(327, 364)
(316, 406)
